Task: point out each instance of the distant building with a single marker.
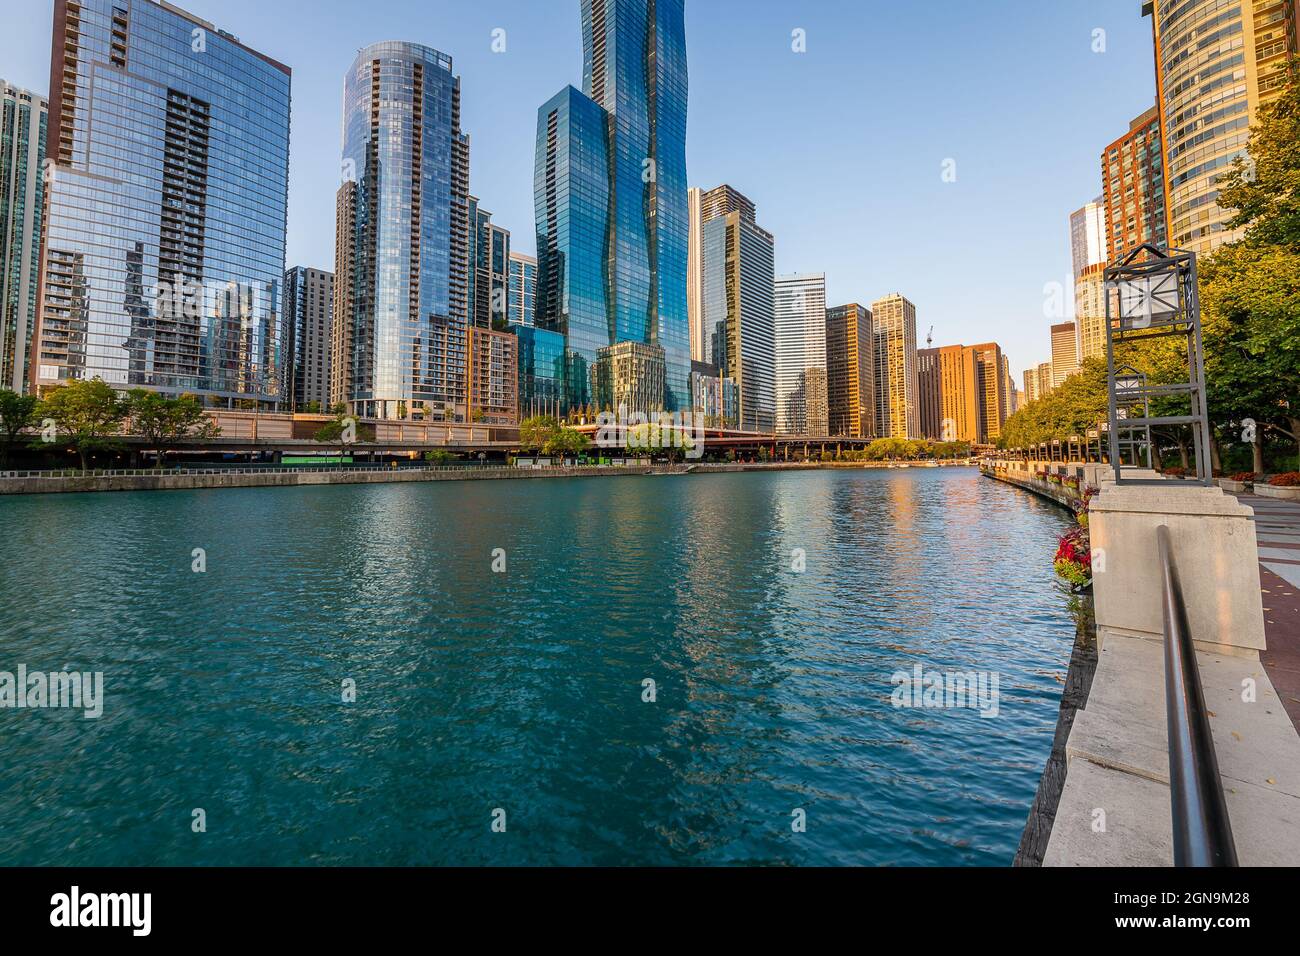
(541, 371)
(800, 347)
(309, 311)
(1090, 312)
(630, 376)
(1065, 352)
(737, 286)
(959, 394)
(1132, 175)
(1088, 235)
(522, 301)
(850, 371)
(929, 394)
(990, 371)
(23, 120)
(695, 275)
(894, 319)
(492, 369)
(715, 396)
(489, 269)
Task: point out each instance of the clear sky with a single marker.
(841, 147)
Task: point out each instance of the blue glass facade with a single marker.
(635, 77)
(572, 196)
(164, 246)
(406, 257)
(541, 371)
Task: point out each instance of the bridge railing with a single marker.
(1202, 831)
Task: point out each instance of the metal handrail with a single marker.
(1202, 831)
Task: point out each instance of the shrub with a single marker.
(1290, 479)
(1174, 471)
(1246, 476)
(1073, 561)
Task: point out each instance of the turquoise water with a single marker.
(523, 690)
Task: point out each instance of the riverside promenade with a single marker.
(1277, 527)
(1115, 806)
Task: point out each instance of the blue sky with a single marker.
(841, 147)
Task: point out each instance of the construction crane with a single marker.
(929, 339)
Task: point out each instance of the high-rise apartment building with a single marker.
(489, 269)
(1090, 311)
(959, 394)
(1217, 62)
(851, 371)
(894, 318)
(989, 370)
(493, 374)
(163, 255)
(309, 314)
(800, 309)
(737, 284)
(1088, 235)
(1038, 382)
(23, 123)
(1133, 180)
(929, 393)
(695, 273)
(521, 303)
(630, 120)
(1065, 351)
(403, 246)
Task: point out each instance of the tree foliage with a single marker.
(90, 413)
(165, 422)
(17, 412)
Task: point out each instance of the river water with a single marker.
(771, 611)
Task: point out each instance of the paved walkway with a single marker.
(1277, 526)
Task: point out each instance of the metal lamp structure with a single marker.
(1154, 291)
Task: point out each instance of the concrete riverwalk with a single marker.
(1115, 806)
(1277, 526)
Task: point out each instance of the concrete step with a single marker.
(1117, 762)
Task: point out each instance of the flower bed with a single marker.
(1285, 486)
(1073, 561)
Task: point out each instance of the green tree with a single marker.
(344, 431)
(1250, 289)
(536, 432)
(89, 412)
(17, 412)
(165, 422)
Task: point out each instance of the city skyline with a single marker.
(815, 232)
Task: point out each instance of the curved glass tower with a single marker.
(611, 198)
(401, 296)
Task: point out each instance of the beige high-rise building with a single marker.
(1038, 382)
(1217, 62)
(896, 390)
(1090, 312)
(959, 394)
(850, 371)
(694, 274)
(991, 389)
(1065, 352)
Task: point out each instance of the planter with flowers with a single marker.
(1073, 561)
(1238, 483)
(1285, 486)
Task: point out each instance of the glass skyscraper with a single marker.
(402, 300)
(23, 119)
(522, 302)
(611, 196)
(165, 236)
